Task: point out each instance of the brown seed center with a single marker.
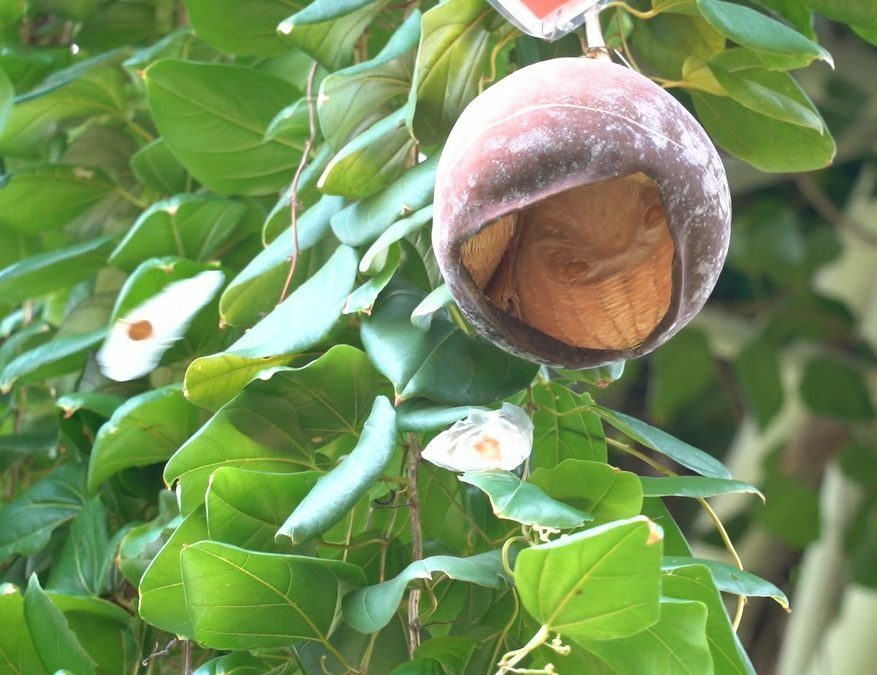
(488, 448)
(140, 330)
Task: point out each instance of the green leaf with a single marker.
(852, 12)
(257, 288)
(249, 30)
(17, 650)
(667, 41)
(783, 46)
(212, 382)
(441, 364)
(189, 226)
(758, 370)
(675, 645)
(48, 272)
(145, 430)
(694, 583)
(324, 10)
(245, 508)
(277, 424)
(695, 486)
(450, 61)
(91, 87)
(833, 387)
(372, 160)
(594, 487)
(660, 441)
(279, 219)
(7, 94)
(364, 297)
(84, 563)
(770, 93)
(437, 299)
(602, 583)
(398, 230)
(57, 645)
(59, 356)
(163, 602)
(141, 543)
(213, 118)
(523, 502)
(156, 167)
(336, 492)
(730, 579)
(370, 609)
(296, 324)
(46, 505)
(768, 144)
(331, 42)
(364, 221)
(350, 97)
(245, 600)
(560, 433)
(46, 197)
(420, 416)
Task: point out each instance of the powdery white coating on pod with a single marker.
(136, 342)
(556, 126)
(495, 439)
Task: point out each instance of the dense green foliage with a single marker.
(257, 503)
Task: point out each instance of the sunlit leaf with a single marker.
(695, 486)
(59, 356)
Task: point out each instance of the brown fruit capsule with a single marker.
(581, 213)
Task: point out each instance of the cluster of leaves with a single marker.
(144, 142)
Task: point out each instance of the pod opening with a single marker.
(591, 266)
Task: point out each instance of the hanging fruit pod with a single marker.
(581, 213)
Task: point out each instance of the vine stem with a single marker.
(720, 527)
(594, 34)
(510, 659)
(293, 188)
(416, 542)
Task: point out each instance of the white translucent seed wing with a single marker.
(136, 342)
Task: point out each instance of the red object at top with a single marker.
(542, 8)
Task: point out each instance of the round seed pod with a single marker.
(581, 214)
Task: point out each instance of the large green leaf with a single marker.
(441, 364)
(296, 324)
(675, 645)
(84, 563)
(594, 487)
(245, 508)
(331, 42)
(92, 87)
(598, 584)
(56, 644)
(363, 298)
(377, 252)
(370, 609)
(213, 118)
(157, 168)
(372, 160)
(349, 97)
(695, 486)
(694, 583)
(59, 356)
(162, 599)
(277, 424)
(364, 221)
(245, 600)
(335, 493)
(768, 144)
(660, 441)
(563, 428)
(146, 429)
(668, 40)
(249, 29)
(189, 226)
(257, 288)
(450, 61)
(29, 521)
(17, 651)
(46, 197)
(54, 270)
(731, 579)
(782, 47)
(523, 502)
